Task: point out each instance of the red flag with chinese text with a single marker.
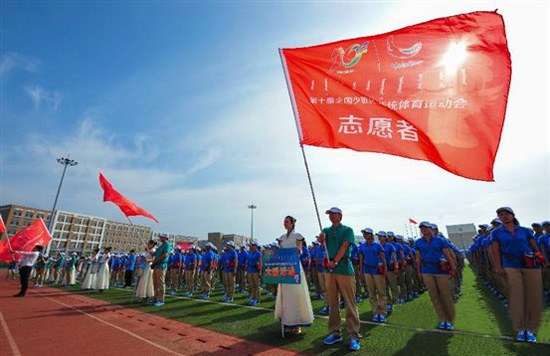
(436, 91)
(25, 240)
(128, 207)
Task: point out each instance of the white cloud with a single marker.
(11, 61)
(40, 96)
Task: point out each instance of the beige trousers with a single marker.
(525, 297)
(342, 285)
(378, 301)
(190, 280)
(439, 288)
(392, 286)
(159, 278)
(254, 285)
(229, 278)
(206, 279)
(174, 278)
(321, 277)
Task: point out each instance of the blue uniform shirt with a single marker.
(398, 249)
(190, 261)
(320, 254)
(431, 254)
(207, 260)
(130, 262)
(388, 249)
(252, 260)
(242, 259)
(371, 257)
(513, 247)
(230, 256)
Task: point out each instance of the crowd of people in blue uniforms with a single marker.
(389, 270)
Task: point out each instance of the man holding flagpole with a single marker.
(340, 279)
(159, 266)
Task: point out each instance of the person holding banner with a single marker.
(517, 258)
(340, 279)
(27, 264)
(145, 288)
(293, 304)
(435, 266)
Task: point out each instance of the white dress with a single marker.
(103, 275)
(293, 303)
(145, 287)
(91, 276)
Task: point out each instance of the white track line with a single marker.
(114, 326)
(11, 341)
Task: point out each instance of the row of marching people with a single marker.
(514, 261)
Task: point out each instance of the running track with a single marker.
(50, 321)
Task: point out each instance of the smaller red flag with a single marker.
(25, 240)
(184, 245)
(2, 226)
(128, 207)
(412, 221)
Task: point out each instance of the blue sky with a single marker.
(185, 109)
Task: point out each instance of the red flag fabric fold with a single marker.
(128, 207)
(435, 91)
(2, 226)
(25, 240)
(412, 221)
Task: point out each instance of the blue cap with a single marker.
(381, 233)
(505, 208)
(545, 223)
(367, 230)
(425, 224)
(496, 221)
(399, 237)
(484, 225)
(390, 233)
(536, 224)
(230, 243)
(433, 226)
(254, 243)
(334, 210)
(163, 236)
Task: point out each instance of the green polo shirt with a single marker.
(334, 237)
(164, 248)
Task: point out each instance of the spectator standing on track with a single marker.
(26, 267)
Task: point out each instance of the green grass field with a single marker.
(477, 313)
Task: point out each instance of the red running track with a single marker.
(50, 321)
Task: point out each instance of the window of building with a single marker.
(28, 214)
(17, 213)
(14, 222)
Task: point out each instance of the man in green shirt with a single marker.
(340, 279)
(159, 266)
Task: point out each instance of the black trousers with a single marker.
(128, 275)
(24, 274)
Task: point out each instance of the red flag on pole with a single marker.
(128, 207)
(2, 226)
(412, 221)
(25, 240)
(435, 91)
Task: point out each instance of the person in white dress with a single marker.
(145, 289)
(103, 275)
(293, 304)
(91, 276)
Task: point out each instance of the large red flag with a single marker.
(435, 91)
(128, 207)
(25, 240)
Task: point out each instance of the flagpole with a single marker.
(296, 119)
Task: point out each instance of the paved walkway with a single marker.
(49, 321)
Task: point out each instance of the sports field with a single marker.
(482, 324)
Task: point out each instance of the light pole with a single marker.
(252, 207)
(65, 162)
